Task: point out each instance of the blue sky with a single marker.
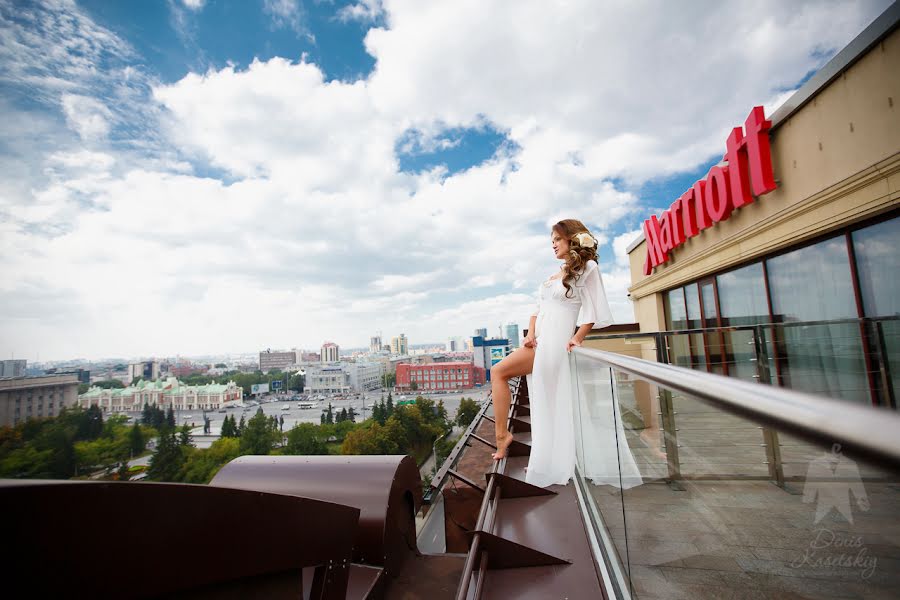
(338, 169)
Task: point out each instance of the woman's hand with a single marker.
(575, 341)
(530, 341)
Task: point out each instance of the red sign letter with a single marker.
(716, 197)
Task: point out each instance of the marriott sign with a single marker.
(747, 174)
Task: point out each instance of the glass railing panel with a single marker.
(888, 338)
(717, 524)
(740, 353)
(825, 359)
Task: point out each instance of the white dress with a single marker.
(551, 397)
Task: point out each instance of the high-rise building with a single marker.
(399, 344)
(13, 368)
(269, 360)
(488, 353)
(481, 332)
(375, 343)
(147, 370)
(330, 352)
(512, 334)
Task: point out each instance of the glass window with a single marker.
(692, 294)
(742, 296)
(812, 283)
(675, 312)
(878, 266)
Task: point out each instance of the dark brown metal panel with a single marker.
(386, 489)
(116, 540)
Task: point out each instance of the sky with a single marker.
(197, 177)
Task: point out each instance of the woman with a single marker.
(573, 297)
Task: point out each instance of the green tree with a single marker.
(258, 436)
(297, 382)
(341, 416)
(229, 429)
(305, 439)
(351, 415)
(466, 412)
(221, 366)
(136, 440)
(388, 380)
(167, 461)
(109, 384)
(170, 417)
(83, 388)
(389, 406)
(413, 385)
(329, 415)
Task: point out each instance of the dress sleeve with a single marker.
(594, 306)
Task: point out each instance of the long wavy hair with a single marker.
(578, 255)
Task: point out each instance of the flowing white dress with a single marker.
(551, 397)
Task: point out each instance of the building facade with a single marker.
(792, 239)
(481, 332)
(488, 352)
(24, 398)
(439, 376)
(400, 345)
(365, 376)
(512, 334)
(375, 344)
(13, 368)
(332, 379)
(163, 394)
(269, 360)
(331, 352)
(148, 370)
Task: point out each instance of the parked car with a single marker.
(286, 407)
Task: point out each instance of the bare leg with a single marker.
(516, 364)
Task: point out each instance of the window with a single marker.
(877, 266)
(675, 311)
(742, 296)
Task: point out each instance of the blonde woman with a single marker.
(570, 303)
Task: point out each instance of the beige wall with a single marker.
(836, 162)
(60, 390)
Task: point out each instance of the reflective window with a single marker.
(742, 296)
(878, 267)
(675, 314)
(692, 295)
(812, 283)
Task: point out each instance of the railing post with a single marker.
(884, 367)
(667, 413)
(770, 436)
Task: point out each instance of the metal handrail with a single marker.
(872, 432)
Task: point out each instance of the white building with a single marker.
(330, 352)
(163, 394)
(365, 376)
(332, 379)
(375, 344)
(26, 398)
(13, 368)
(148, 370)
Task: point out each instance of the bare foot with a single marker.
(503, 442)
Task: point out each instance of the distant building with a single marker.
(331, 352)
(83, 375)
(487, 353)
(148, 370)
(306, 357)
(13, 368)
(439, 376)
(331, 379)
(164, 394)
(269, 360)
(399, 344)
(512, 334)
(375, 344)
(365, 376)
(187, 370)
(456, 344)
(481, 332)
(24, 398)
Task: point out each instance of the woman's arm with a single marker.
(530, 341)
(579, 336)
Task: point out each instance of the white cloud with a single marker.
(287, 14)
(194, 5)
(366, 11)
(302, 227)
(88, 117)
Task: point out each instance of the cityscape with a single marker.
(410, 300)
